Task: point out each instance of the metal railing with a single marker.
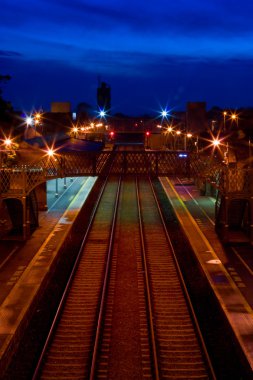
(21, 179)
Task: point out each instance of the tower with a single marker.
(104, 97)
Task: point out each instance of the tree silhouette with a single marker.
(5, 106)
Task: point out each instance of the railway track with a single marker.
(125, 313)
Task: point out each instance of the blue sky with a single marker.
(152, 53)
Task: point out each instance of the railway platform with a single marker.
(23, 277)
(210, 254)
(20, 284)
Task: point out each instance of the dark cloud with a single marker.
(150, 51)
(142, 64)
(146, 82)
(229, 17)
(6, 53)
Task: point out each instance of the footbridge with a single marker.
(232, 186)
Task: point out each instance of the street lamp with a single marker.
(249, 153)
(50, 152)
(186, 136)
(75, 131)
(224, 120)
(29, 121)
(7, 143)
(37, 120)
(216, 142)
(178, 133)
(164, 113)
(234, 117)
(197, 144)
(169, 136)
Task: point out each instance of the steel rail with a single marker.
(67, 287)
(184, 287)
(105, 286)
(148, 292)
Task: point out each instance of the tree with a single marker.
(5, 106)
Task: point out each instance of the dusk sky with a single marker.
(153, 54)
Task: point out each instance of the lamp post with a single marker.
(186, 136)
(249, 152)
(224, 120)
(197, 145)
(37, 121)
(178, 133)
(75, 132)
(168, 134)
(234, 117)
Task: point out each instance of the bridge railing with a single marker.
(21, 179)
(237, 180)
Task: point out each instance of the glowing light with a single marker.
(29, 120)
(164, 113)
(189, 135)
(234, 117)
(102, 113)
(75, 129)
(216, 142)
(147, 133)
(170, 129)
(7, 142)
(37, 116)
(178, 133)
(50, 152)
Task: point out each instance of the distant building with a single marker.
(57, 122)
(84, 111)
(104, 97)
(62, 107)
(196, 117)
(179, 119)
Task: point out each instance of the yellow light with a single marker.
(189, 135)
(170, 129)
(7, 142)
(216, 142)
(75, 129)
(50, 152)
(178, 132)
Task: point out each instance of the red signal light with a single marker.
(111, 134)
(147, 133)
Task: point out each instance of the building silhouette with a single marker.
(104, 97)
